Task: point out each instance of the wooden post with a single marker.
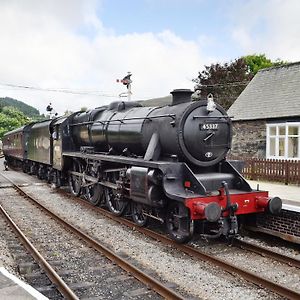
(252, 169)
(286, 181)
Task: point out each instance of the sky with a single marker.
(83, 46)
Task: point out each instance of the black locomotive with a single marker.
(167, 163)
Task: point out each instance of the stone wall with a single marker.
(249, 139)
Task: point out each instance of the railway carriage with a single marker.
(15, 146)
(166, 163)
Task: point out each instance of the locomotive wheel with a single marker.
(75, 181)
(94, 194)
(25, 167)
(179, 224)
(33, 169)
(138, 216)
(115, 205)
(57, 179)
(114, 202)
(49, 176)
(40, 173)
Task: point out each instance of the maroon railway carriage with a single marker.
(14, 145)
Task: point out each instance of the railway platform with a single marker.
(12, 288)
(286, 225)
(289, 194)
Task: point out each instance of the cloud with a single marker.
(270, 27)
(63, 44)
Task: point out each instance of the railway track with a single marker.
(268, 253)
(21, 261)
(62, 287)
(201, 255)
(143, 281)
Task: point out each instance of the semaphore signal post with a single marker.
(126, 81)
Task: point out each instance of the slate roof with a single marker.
(272, 93)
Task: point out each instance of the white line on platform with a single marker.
(291, 207)
(29, 289)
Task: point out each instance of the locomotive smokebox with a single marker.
(181, 96)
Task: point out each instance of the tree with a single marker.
(227, 81)
(11, 118)
(259, 61)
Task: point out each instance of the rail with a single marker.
(146, 279)
(52, 275)
(266, 252)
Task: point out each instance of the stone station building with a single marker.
(266, 116)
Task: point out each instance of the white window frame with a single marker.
(286, 136)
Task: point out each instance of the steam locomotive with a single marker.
(165, 163)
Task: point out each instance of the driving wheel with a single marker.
(75, 180)
(138, 215)
(94, 194)
(114, 201)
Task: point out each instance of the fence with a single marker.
(285, 171)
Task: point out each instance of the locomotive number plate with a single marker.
(209, 126)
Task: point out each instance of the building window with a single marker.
(283, 140)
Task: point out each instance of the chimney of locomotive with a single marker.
(181, 96)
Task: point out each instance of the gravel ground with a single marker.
(273, 270)
(198, 278)
(6, 259)
(293, 251)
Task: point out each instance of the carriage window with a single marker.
(283, 140)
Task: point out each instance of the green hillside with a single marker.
(28, 110)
